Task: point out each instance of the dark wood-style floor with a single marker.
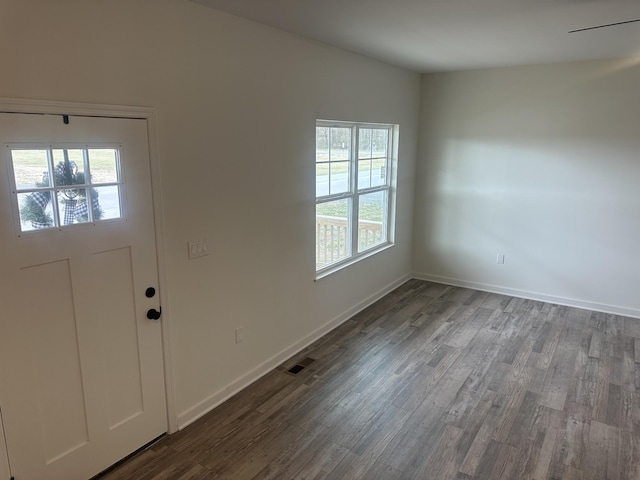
(431, 382)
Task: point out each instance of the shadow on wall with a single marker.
(555, 207)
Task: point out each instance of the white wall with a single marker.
(542, 164)
(236, 107)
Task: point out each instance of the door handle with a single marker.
(153, 314)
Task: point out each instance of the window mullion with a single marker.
(57, 221)
(354, 189)
(331, 198)
(377, 188)
(87, 181)
(389, 180)
(329, 161)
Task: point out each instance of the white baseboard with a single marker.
(192, 414)
(569, 302)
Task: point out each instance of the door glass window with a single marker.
(56, 187)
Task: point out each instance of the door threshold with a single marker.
(128, 457)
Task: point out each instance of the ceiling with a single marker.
(442, 35)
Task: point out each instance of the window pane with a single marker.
(72, 205)
(322, 179)
(68, 167)
(36, 211)
(106, 203)
(380, 140)
(332, 232)
(364, 173)
(340, 143)
(30, 168)
(364, 149)
(103, 163)
(372, 211)
(322, 144)
(379, 172)
(339, 178)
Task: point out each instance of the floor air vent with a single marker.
(301, 365)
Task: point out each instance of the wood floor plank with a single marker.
(443, 462)
(488, 460)
(632, 327)
(628, 364)
(474, 455)
(381, 432)
(320, 465)
(630, 410)
(409, 441)
(602, 389)
(558, 379)
(314, 444)
(540, 334)
(382, 472)
(431, 381)
(415, 467)
(546, 455)
(504, 463)
(630, 453)
(466, 399)
(577, 441)
(549, 348)
(599, 452)
(527, 417)
(614, 406)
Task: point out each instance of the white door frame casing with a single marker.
(5, 472)
(8, 105)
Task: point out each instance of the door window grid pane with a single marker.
(339, 178)
(379, 174)
(340, 144)
(373, 160)
(29, 167)
(72, 205)
(372, 208)
(104, 165)
(63, 167)
(333, 156)
(364, 150)
(332, 231)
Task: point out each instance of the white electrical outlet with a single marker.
(198, 248)
(239, 335)
(500, 259)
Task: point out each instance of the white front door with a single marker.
(81, 365)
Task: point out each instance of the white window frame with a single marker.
(354, 193)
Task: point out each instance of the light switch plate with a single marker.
(198, 248)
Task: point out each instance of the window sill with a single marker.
(325, 272)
